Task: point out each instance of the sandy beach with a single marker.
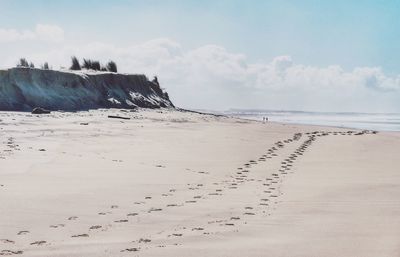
(174, 183)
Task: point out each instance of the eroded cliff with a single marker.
(22, 89)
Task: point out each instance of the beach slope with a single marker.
(174, 183)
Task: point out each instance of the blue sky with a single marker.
(349, 34)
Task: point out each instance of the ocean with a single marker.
(370, 121)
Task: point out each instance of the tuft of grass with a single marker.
(91, 64)
(112, 66)
(155, 81)
(45, 66)
(23, 63)
(75, 64)
(96, 65)
(87, 64)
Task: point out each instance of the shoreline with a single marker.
(222, 115)
(331, 120)
(319, 126)
(171, 183)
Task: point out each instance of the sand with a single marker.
(170, 183)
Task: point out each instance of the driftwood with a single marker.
(118, 117)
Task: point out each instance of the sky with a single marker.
(220, 54)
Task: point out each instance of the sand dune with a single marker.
(170, 183)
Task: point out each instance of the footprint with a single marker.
(38, 243)
(144, 240)
(154, 209)
(198, 228)
(23, 232)
(134, 249)
(95, 227)
(72, 218)
(121, 221)
(10, 252)
(114, 206)
(132, 214)
(57, 226)
(7, 241)
(81, 235)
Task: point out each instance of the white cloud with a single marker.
(12, 35)
(51, 33)
(42, 32)
(212, 77)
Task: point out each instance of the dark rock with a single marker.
(39, 110)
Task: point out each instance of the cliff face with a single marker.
(22, 89)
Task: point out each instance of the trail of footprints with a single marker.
(270, 192)
(8, 147)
